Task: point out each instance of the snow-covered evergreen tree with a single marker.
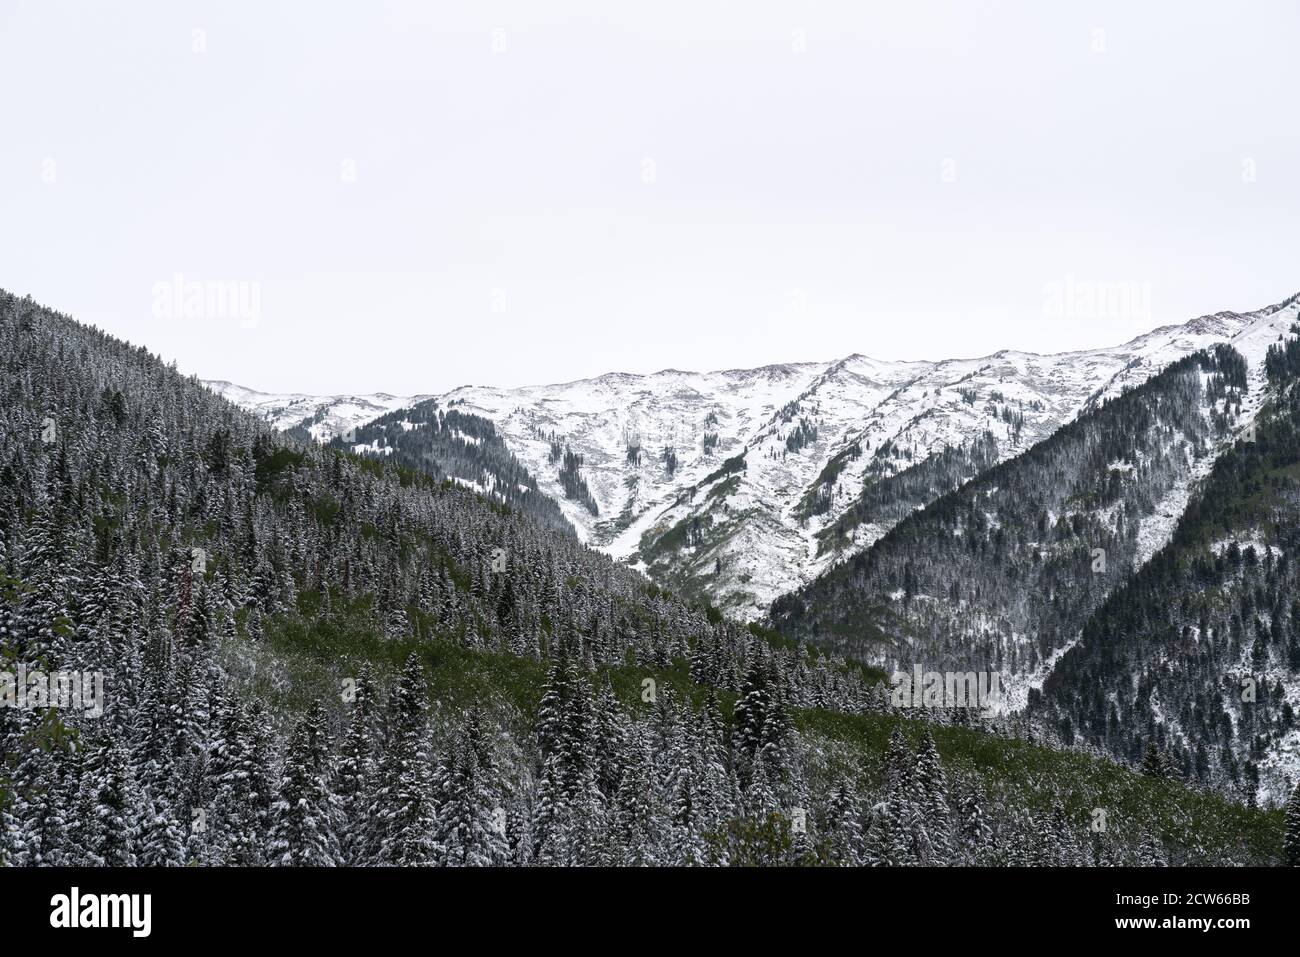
(405, 809)
(302, 817)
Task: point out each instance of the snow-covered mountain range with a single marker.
(741, 485)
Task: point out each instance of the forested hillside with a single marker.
(1200, 652)
(310, 657)
(452, 444)
(890, 496)
(1001, 573)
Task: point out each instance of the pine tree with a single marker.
(750, 714)
(113, 833)
(1153, 762)
(1150, 851)
(572, 819)
(163, 837)
(760, 798)
(240, 789)
(640, 820)
(715, 796)
(972, 825)
(895, 836)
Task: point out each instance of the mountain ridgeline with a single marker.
(308, 656)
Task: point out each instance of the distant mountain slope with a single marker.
(463, 448)
(741, 485)
(1200, 651)
(1000, 574)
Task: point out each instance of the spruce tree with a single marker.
(931, 797)
(843, 827)
(302, 819)
(113, 834)
(471, 815)
(405, 810)
(354, 777)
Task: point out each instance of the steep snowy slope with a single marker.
(742, 485)
(1019, 398)
(1001, 574)
(1200, 651)
(731, 452)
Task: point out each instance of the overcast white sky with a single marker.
(429, 194)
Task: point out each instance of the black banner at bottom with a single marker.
(365, 906)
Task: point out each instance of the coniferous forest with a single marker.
(311, 657)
